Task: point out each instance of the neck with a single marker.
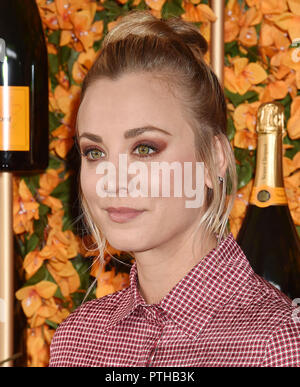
(161, 268)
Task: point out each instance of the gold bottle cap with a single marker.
(270, 118)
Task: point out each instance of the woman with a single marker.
(193, 298)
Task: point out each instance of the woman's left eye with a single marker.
(143, 150)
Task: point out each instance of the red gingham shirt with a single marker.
(220, 314)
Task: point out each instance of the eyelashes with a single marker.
(92, 153)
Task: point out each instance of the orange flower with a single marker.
(60, 247)
(38, 341)
(49, 310)
(25, 208)
(120, 281)
(82, 25)
(288, 166)
(32, 296)
(248, 36)
(67, 101)
(104, 283)
(244, 116)
(155, 4)
(232, 16)
(239, 208)
(243, 75)
(292, 181)
(198, 13)
(289, 22)
(55, 220)
(83, 64)
(245, 139)
(293, 124)
(65, 276)
(48, 181)
(32, 262)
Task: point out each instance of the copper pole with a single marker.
(6, 269)
(217, 39)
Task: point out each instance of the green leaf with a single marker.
(39, 226)
(100, 15)
(232, 49)
(246, 165)
(97, 45)
(32, 243)
(44, 275)
(54, 82)
(230, 128)
(172, 8)
(290, 153)
(113, 10)
(32, 183)
(244, 172)
(62, 191)
(286, 102)
(43, 209)
(54, 121)
(54, 37)
(53, 63)
(142, 5)
(51, 324)
(72, 59)
(54, 162)
(58, 293)
(237, 99)
(252, 53)
(39, 276)
(65, 53)
(20, 245)
(82, 266)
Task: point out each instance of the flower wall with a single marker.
(53, 260)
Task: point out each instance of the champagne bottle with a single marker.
(24, 138)
(268, 235)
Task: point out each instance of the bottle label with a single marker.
(264, 196)
(14, 118)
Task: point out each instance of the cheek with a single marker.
(88, 183)
(172, 217)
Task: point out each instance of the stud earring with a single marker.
(220, 179)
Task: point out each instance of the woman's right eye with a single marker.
(92, 154)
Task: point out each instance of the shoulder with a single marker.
(277, 319)
(90, 316)
(283, 345)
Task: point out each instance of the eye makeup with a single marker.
(141, 149)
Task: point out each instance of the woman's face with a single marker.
(110, 110)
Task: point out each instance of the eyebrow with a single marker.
(130, 133)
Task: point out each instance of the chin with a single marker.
(127, 242)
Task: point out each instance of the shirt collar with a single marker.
(204, 290)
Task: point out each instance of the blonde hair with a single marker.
(173, 51)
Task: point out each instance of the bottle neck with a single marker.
(268, 188)
(269, 160)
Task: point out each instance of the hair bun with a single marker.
(143, 23)
(189, 34)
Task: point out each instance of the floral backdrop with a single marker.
(54, 262)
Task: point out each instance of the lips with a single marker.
(122, 210)
(123, 214)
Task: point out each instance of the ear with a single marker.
(221, 162)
